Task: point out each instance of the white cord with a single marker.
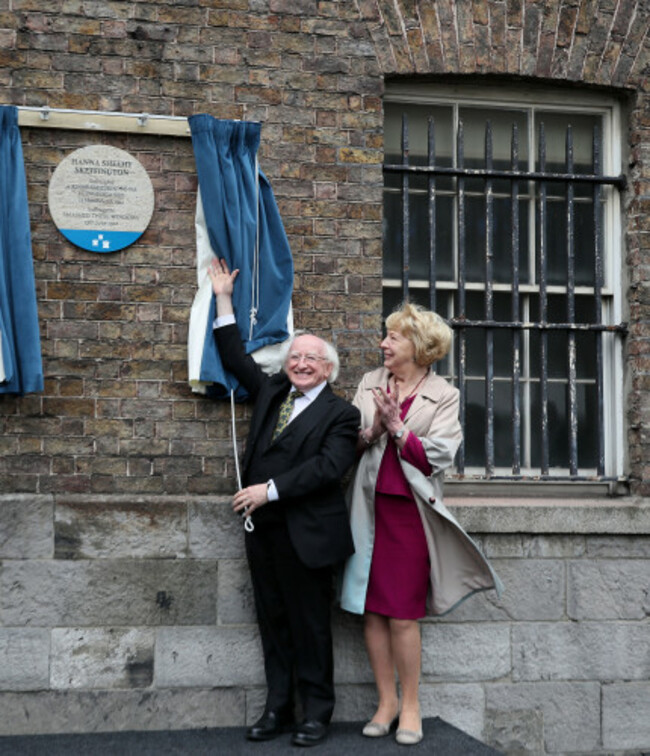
(249, 527)
(255, 303)
(255, 277)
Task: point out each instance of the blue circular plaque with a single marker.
(101, 198)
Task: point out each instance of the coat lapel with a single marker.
(429, 392)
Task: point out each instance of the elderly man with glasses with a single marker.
(301, 441)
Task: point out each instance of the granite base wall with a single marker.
(136, 613)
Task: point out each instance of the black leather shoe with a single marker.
(268, 726)
(309, 733)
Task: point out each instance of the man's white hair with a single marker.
(331, 355)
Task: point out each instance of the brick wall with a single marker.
(114, 534)
(116, 414)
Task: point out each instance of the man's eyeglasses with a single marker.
(310, 359)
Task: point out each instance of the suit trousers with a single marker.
(293, 605)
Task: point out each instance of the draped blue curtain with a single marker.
(20, 340)
(244, 227)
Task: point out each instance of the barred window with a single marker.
(502, 214)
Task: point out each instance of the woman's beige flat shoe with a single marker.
(377, 729)
(408, 737)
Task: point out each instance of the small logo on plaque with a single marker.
(101, 198)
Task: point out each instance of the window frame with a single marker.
(533, 99)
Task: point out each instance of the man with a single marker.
(291, 477)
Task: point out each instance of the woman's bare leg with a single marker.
(406, 646)
(377, 635)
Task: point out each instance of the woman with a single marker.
(411, 556)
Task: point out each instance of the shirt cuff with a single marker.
(272, 492)
(223, 320)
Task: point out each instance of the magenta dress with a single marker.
(399, 572)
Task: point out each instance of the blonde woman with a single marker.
(412, 558)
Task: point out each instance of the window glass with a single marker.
(475, 424)
(475, 239)
(419, 236)
(558, 341)
(555, 128)
(418, 126)
(501, 337)
(558, 428)
(557, 244)
(474, 121)
(585, 242)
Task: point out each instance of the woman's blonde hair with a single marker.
(430, 335)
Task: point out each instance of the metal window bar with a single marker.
(541, 282)
(431, 156)
(598, 304)
(489, 308)
(571, 312)
(460, 322)
(514, 312)
(460, 294)
(405, 206)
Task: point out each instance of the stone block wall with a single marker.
(137, 613)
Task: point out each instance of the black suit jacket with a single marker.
(307, 460)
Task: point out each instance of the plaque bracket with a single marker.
(98, 120)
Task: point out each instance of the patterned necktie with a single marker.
(286, 408)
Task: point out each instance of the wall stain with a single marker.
(67, 542)
(139, 670)
(164, 599)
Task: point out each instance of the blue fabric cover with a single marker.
(225, 153)
(21, 343)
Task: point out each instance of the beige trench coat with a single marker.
(458, 569)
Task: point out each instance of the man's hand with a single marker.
(222, 279)
(249, 499)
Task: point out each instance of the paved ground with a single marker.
(440, 739)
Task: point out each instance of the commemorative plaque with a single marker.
(101, 198)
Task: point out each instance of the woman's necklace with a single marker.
(413, 390)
